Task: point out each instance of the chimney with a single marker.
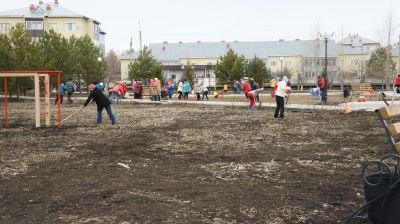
(40, 2)
(281, 40)
(55, 2)
(198, 42)
(32, 8)
(48, 7)
(297, 39)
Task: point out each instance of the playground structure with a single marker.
(37, 76)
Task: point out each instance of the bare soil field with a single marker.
(186, 164)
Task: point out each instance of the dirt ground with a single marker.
(187, 164)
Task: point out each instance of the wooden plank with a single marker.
(37, 100)
(398, 148)
(394, 129)
(389, 113)
(17, 74)
(47, 99)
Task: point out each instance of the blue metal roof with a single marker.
(164, 52)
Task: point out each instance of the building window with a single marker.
(273, 63)
(34, 25)
(53, 26)
(4, 27)
(70, 27)
(299, 64)
(354, 62)
(288, 63)
(96, 28)
(96, 32)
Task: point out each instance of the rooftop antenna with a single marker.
(131, 43)
(140, 36)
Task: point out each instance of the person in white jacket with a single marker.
(180, 89)
(280, 97)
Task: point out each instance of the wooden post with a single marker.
(37, 100)
(59, 99)
(47, 99)
(6, 99)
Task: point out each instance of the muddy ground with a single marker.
(187, 164)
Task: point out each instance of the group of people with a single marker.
(184, 89)
(118, 91)
(68, 88)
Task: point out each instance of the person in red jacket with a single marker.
(397, 81)
(124, 89)
(246, 88)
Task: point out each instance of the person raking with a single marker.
(102, 102)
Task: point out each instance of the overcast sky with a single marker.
(229, 20)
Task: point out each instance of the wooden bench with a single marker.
(149, 91)
(362, 89)
(390, 119)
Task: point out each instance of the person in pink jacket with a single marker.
(116, 93)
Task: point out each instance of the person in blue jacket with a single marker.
(62, 90)
(186, 89)
(170, 90)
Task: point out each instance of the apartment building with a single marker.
(303, 60)
(51, 15)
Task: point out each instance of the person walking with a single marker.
(280, 97)
(322, 88)
(102, 102)
(62, 90)
(254, 86)
(197, 90)
(70, 90)
(158, 88)
(180, 90)
(170, 90)
(124, 89)
(136, 89)
(397, 84)
(186, 90)
(204, 90)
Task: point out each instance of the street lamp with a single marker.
(398, 58)
(281, 58)
(326, 38)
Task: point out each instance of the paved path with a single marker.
(354, 106)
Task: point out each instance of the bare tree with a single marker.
(385, 36)
(113, 66)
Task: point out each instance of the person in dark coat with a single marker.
(70, 90)
(102, 102)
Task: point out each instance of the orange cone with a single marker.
(347, 108)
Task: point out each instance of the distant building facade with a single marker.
(303, 60)
(46, 16)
